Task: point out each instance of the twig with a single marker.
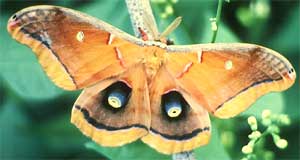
(215, 21)
(184, 156)
(142, 17)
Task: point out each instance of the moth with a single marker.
(140, 89)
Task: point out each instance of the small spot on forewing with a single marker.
(291, 73)
(14, 17)
(80, 36)
(228, 65)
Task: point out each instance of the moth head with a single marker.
(166, 41)
(160, 37)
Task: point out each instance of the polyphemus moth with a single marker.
(140, 89)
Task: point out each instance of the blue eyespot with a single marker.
(173, 108)
(174, 105)
(116, 99)
(116, 96)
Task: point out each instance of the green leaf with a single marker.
(272, 101)
(225, 35)
(214, 150)
(58, 130)
(287, 37)
(135, 150)
(13, 142)
(112, 12)
(21, 71)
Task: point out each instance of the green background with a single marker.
(35, 114)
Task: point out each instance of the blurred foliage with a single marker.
(271, 124)
(34, 113)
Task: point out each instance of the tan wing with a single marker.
(107, 122)
(227, 78)
(172, 130)
(74, 49)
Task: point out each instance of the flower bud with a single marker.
(214, 26)
(169, 9)
(266, 114)
(247, 149)
(284, 119)
(281, 143)
(252, 122)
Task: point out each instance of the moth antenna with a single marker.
(151, 24)
(170, 28)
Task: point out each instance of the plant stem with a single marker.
(217, 19)
(141, 16)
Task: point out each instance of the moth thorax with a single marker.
(152, 64)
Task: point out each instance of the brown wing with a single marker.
(74, 49)
(172, 130)
(109, 122)
(227, 78)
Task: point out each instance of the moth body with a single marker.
(153, 62)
